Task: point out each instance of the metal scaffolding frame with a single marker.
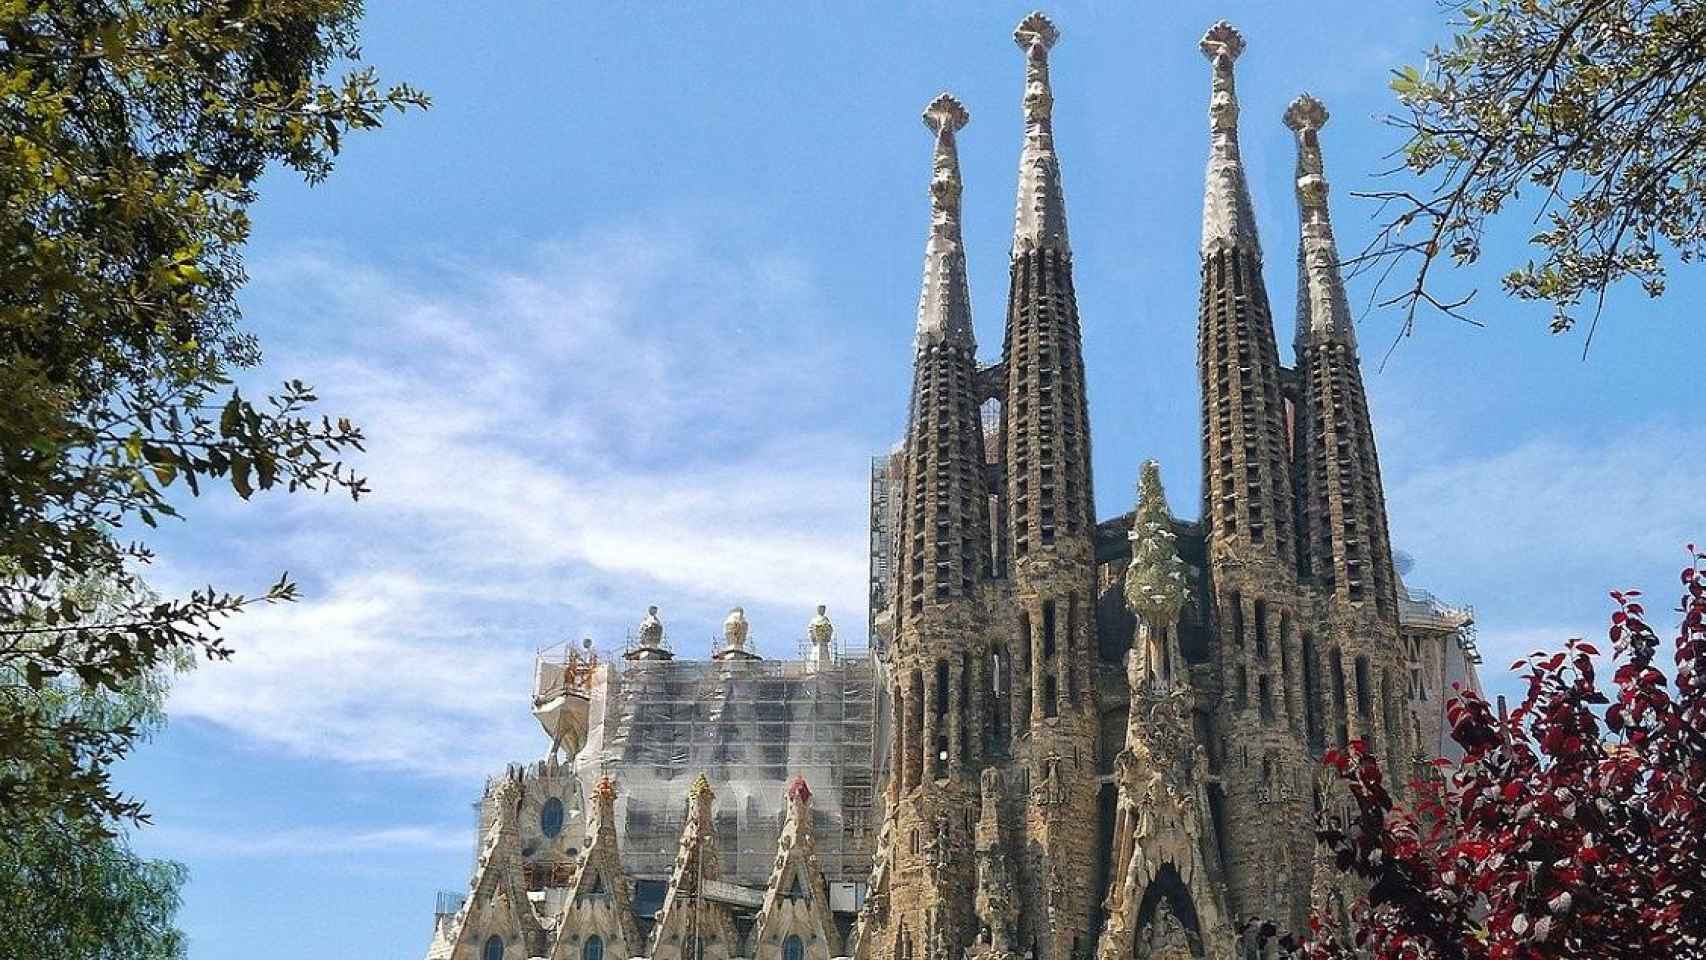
(750, 726)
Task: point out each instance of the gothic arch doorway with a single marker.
(1167, 925)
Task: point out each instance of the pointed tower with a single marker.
(598, 917)
(795, 922)
(1050, 507)
(1246, 475)
(691, 925)
(1259, 802)
(497, 916)
(1164, 878)
(943, 558)
(1347, 548)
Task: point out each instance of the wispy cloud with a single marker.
(629, 418)
(1535, 535)
(305, 841)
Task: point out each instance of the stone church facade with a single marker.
(1092, 739)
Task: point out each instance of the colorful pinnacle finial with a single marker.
(1039, 217)
(605, 790)
(701, 789)
(944, 306)
(798, 791)
(1229, 220)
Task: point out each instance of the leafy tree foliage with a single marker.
(1574, 828)
(132, 133)
(1592, 111)
(66, 894)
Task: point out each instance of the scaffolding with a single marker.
(750, 726)
(884, 515)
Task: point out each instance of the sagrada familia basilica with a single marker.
(1068, 738)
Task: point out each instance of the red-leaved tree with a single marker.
(1575, 827)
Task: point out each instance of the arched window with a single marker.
(551, 817)
(593, 949)
(793, 949)
(494, 949)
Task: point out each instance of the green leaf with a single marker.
(240, 476)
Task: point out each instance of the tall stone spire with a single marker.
(1246, 455)
(944, 305)
(1323, 313)
(1347, 548)
(1039, 216)
(1351, 554)
(1051, 524)
(1257, 600)
(1228, 218)
(942, 559)
(945, 520)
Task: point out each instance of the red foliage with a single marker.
(1574, 828)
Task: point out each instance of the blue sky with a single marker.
(626, 313)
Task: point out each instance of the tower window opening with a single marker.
(1261, 629)
(1311, 719)
(1048, 629)
(1339, 704)
(1051, 694)
(1236, 602)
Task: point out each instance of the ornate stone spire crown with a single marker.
(700, 795)
(1155, 584)
(1228, 218)
(798, 792)
(944, 306)
(651, 628)
(1323, 310)
(820, 630)
(1039, 216)
(735, 628)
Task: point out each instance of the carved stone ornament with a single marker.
(1323, 309)
(1039, 216)
(1229, 219)
(735, 629)
(944, 305)
(651, 628)
(820, 630)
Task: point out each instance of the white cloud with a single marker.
(1557, 508)
(627, 419)
(1536, 536)
(304, 841)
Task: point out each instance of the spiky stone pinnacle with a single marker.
(1036, 30)
(701, 789)
(605, 790)
(798, 791)
(1222, 39)
(945, 113)
(1306, 113)
(1155, 581)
